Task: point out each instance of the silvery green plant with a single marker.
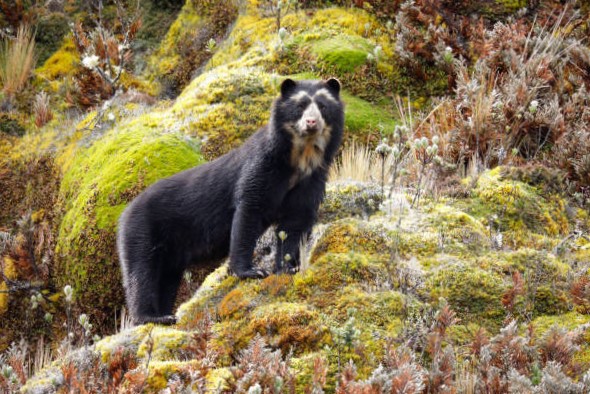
(35, 300)
(375, 55)
(282, 35)
(399, 150)
(86, 326)
(69, 295)
(426, 152)
(280, 8)
(383, 150)
(211, 45)
(188, 278)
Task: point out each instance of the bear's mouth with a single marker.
(310, 131)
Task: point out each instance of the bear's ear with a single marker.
(287, 87)
(333, 86)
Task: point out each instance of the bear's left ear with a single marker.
(333, 86)
(287, 87)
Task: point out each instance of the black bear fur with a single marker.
(199, 216)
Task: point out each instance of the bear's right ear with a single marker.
(287, 87)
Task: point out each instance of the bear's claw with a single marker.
(166, 320)
(254, 273)
(291, 270)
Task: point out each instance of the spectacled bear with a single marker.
(198, 216)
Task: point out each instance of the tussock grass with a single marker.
(358, 162)
(17, 58)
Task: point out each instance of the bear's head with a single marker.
(308, 108)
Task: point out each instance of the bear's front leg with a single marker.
(247, 227)
(298, 215)
(287, 259)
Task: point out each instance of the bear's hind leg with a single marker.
(142, 294)
(169, 284)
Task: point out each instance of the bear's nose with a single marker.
(311, 122)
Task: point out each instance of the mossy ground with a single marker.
(365, 277)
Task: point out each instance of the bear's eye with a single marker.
(321, 106)
(301, 105)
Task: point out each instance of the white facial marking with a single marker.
(299, 95)
(311, 119)
(326, 94)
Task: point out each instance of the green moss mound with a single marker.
(345, 53)
(95, 190)
(363, 118)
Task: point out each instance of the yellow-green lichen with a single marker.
(9, 272)
(350, 235)
(383, 309)
(163, 343)
(129, 339)
(570, 321)
(225, 106)
(206, 290)
(160, 372)
(61, 64)
(332, 271)
(457, 230)
(217, 380)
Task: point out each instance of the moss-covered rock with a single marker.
(344, 53)
(187, 44)
(350, 199)
(225, 106)
(363, 118)
(458, 231)
(517, 209)
(289, 326)
(309, 53)
(472, 292)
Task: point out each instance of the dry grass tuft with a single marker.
(17, 58)
(41, 109)
(359, 163)
(353, 164)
